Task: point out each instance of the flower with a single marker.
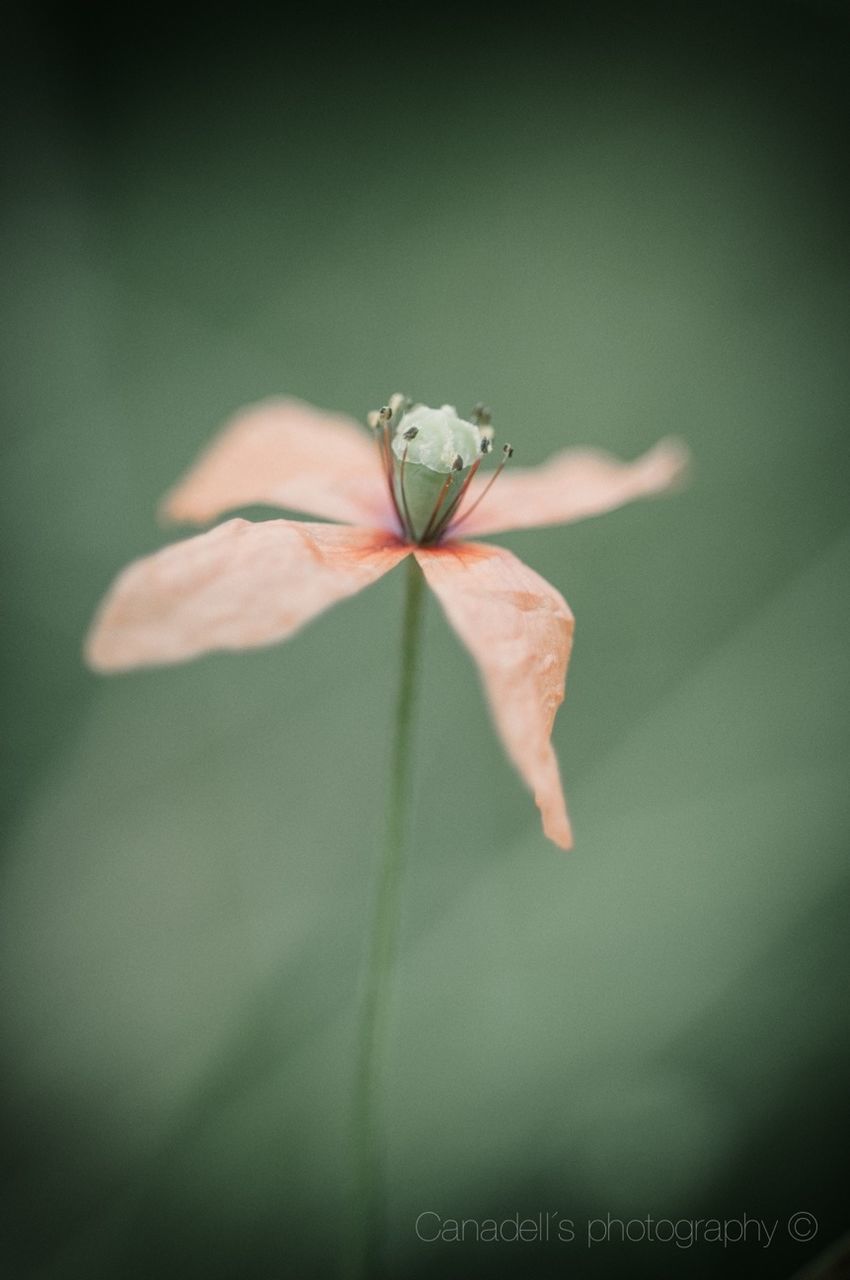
(244, 584)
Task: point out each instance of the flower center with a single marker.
(436, 439)
(430, 456)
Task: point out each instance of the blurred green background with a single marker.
(624, 224)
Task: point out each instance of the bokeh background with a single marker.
(613, 225)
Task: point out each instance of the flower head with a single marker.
(245, 584)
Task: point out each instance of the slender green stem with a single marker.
(377, 992)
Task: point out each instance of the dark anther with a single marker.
(457, 465)
(486, 444)
(411, 433)
(385, 413)
(481, 415)
(508, 450)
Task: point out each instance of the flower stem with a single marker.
(377, 989)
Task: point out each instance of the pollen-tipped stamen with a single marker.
(434, 524)
(461, 494)
(507, 454)
(379, 420)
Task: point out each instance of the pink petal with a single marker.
(238, 586)
(285, 453)
(519, 630)
(571, 485)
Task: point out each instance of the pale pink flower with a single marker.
(245, 584)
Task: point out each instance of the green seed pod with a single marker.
(434, 450)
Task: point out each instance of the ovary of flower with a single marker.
(435, 438)
(246, 584)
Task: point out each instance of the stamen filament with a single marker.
(407, 520)
(507, 455)
(455, 503)
(441, 497)
(386, 450)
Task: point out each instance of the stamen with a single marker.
(407, 520)
(461, 494)
(379, 420)
(376, 426)
(380, 430)
(410, 434)
(481, 415)
(507, 453)
(457, 465)
(383, 422)
(388, 456)
(441, 497)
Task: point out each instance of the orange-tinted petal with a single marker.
(238, 586)
(572, 484)
(519, 630)
(285, 453)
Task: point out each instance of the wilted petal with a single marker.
(239, 586)
(285, 453)
(519, 630)
(571, 485)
